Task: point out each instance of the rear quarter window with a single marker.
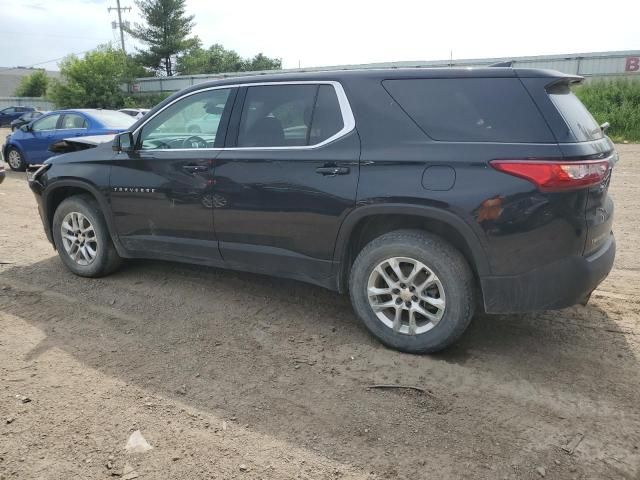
(471, 109)
(582, 124)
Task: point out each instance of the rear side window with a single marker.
(471, 109)
(276, 116)
(289, 116)
(575, 114)
(72, 121)
(327, 116)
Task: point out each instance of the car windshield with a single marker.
(113, 119)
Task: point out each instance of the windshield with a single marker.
(113, 119)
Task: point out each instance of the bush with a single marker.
(616, 102)
(95, 80)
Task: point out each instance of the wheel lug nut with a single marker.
(414, 298)
(408, 304)
(396, 291)
(398, 301)
(412, 288)
(402, 285)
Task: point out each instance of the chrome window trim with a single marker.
(348, 120)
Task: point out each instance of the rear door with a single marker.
(161, 194)
(286, 178)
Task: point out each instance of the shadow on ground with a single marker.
(292, 361)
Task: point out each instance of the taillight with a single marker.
(556, 176)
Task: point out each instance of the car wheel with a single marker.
(413, 291)
(82, 239)
(15, 160)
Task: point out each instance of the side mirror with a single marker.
(123, 142)
(26, 127)
(604, 127)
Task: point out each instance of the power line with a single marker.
(38, 34)
(120, 9)
(5, 69)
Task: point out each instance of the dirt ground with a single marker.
(232, 375)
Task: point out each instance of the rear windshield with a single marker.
(471, 109)
(113, 119)
(578, 118)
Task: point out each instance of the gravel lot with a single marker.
(231, 375)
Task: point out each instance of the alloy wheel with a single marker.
(79, 238)
(14, 159)
(406, 295)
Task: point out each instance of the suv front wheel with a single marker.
(413, 291)
(82, 239)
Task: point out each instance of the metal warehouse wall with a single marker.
(599, 65)
(35, 102)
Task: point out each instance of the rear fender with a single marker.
(475, 246)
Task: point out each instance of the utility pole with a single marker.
(119, 9)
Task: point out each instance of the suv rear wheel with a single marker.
(82, 239)
(413, 291)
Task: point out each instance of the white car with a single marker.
(135, 112)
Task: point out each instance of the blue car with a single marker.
(30, 143)
(9, 114)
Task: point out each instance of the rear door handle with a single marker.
(195, 168)
(333, 171)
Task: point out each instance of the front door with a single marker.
(161, 194)
(41, 136)
(286, 179)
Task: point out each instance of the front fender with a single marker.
(54, 186)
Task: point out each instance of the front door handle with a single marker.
(195, 168)
(333, 171)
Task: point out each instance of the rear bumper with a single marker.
(558, 285)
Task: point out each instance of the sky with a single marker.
(336, 32)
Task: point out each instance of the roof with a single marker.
(386, 73)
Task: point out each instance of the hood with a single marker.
(76, 144)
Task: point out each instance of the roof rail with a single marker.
(507, 64)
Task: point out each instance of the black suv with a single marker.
(424, 193)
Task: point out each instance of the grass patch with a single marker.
(616, 102)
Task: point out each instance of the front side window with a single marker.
(192, 122)
(46, 123)
(73, 120)
(9, 110)
(289, 115)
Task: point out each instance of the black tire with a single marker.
(446, 262)
(15, 160)
(106, 258)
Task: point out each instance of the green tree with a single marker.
(95, 80)
(165, 32)
(33, 85)
(217, 59)
(262, 62)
